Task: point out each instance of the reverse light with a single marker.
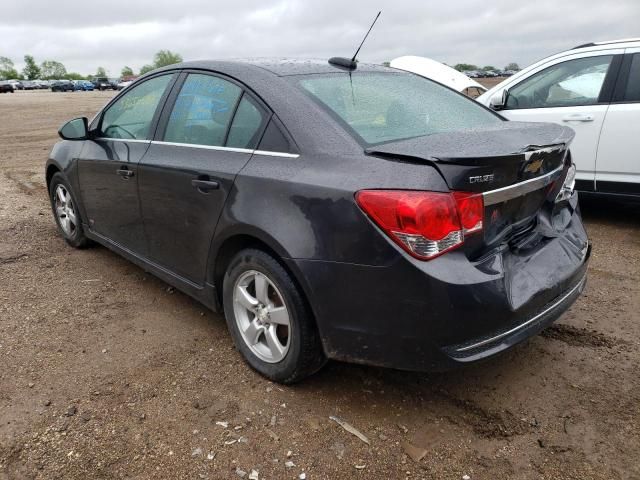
(425, 224)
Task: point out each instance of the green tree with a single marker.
(146, 69)
(126, 72)
(74, 76)
(512, 66)
(489, 67)
(101, 72)
(166, 57)
(465, 66)
(7, 69)
(52, 69)
(31, 69)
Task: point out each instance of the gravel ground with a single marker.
(105, 372)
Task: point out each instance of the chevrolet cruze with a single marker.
(330, 211)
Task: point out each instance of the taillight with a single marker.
(425, 224)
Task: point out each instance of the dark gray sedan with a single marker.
(361, 214)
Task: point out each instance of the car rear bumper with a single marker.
(437, 315)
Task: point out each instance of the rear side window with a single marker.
(247, 125)
(273, 139)
(202, 111)
(383, 107)
(131, 115)
(567, 84)
(632, 92)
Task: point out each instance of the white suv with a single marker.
(595, 89)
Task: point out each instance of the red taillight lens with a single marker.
(471, 211)
(425, 224)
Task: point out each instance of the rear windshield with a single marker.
(383, 107)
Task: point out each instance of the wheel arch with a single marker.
(229, 245)
(51, 170)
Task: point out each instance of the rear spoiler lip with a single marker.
(528, 152)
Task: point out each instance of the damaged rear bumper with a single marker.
(437, 315)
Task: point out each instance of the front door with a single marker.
(568, 93)
(188, 173)
(108, 164)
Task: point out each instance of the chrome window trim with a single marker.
(276, 154)
(226, 149)
(528, 322)
(132, 140)
(503, 194)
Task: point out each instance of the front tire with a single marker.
(66, 213)
(269, 319)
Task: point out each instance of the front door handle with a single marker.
(205, 186)
(579, 117)
(124, 172)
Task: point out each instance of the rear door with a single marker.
(575, 91)
(108, 165)
(618, 162)
(207, 133)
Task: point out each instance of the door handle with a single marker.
(578, 118)
(124, 172)
(205, 186)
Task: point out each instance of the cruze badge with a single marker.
(533, 167)
(481, 178)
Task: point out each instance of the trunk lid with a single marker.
(515, 165)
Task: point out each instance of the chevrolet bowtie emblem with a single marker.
(534, 167)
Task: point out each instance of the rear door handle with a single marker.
(125, 172)
(205, 186)
(579, 117)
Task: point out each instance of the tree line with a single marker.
(53, 69)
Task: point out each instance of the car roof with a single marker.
(311, 127)
(279, 66)
(618, 43)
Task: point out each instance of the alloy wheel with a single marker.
(262, 316)
(65, 210)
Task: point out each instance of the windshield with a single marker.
(383, 107)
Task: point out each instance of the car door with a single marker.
(573, 91)
(203, 141)
(108, 164)
(618, 161)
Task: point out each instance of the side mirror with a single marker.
(76, 129)
(499, 100)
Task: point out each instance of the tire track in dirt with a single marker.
(579, 337)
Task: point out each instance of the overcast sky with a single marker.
(86, 34)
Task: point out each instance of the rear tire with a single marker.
(271, 324)
(66, 213)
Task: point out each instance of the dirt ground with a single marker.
(105, 372)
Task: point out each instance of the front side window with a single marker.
(567, 84)
(383, 107)
(632, 92)
(131, 115)
(202, 111)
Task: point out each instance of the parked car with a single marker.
(595, 89)
(83, 85)
(43, 84)
(103, 83)
(29, 85)
(439, 72)
(17, 84)
(62, 86)
(362, 214)
(5, 87)
(124, 84)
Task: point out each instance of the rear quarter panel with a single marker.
(305, 208)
